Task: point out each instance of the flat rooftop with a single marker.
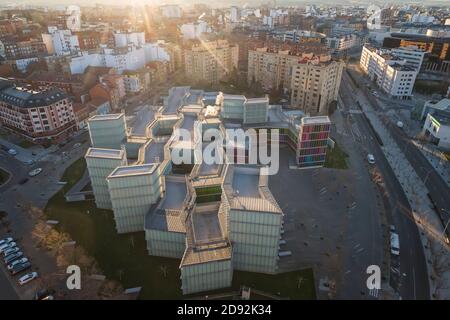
(133, 170)
(188, 121)
(154, 152)
(105, 153)
(245, 183)
(159, 218)
(141, 121)
(165, 221)
(175, 194)
(175, 99)
(316, 120)
(206, 226)
(204, 254)
(103, 117)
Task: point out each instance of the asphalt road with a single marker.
(413, 277)
(437, 187)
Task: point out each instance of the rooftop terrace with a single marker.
(105, 153)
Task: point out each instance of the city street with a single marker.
(18, 200)
(413, 276)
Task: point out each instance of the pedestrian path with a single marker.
(436, 158)
(428, 222)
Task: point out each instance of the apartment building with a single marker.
(211, 61)
(23, 49)
(40, 115)
(413, 56)
(340, 44)
(315, 85)
(391, 74)
(306, 71)
(437, 48)
(60, 42)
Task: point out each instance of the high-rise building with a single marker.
(315, 85)
(210, 61)
(313, 141)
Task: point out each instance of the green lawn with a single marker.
(4, 176)
(125, 258)
(336, 158)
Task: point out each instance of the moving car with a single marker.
(6, 240)
(370, 158)
(10, 251)
(77, 145)
(14, 256)
(23, 181)
(12, 152)
(28, 277)
(15, 262)
(20, 267)
(29, 162)
(395, 244)
(7, 246)
(35, 172)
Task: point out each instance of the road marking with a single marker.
(374, 293)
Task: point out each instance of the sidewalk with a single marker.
(436, 158)
(428, 222)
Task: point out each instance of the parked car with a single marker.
(15, 262)
(44, 294)
(20, 267)
(77, 145)
(7, 246)
(395, 244)
(28, 277)
(10, 251)
(23, 181)
(29, 162)
(392, 228)
(12, 152)
(370, 158)
(14, 256)
(6, 240)
(35, 172)
(400, 124)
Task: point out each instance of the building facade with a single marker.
(40, 115)
(210, 62)
(391, 74)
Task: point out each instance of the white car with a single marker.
(12, 264)
(370, 158)
(10, 250)
(7, 246)
(6, 240)
(400, 124)
(395, 244)
(35, 172)
(12, 152)
(77, 145)
(27, 278)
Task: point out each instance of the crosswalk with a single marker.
(374, 293)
